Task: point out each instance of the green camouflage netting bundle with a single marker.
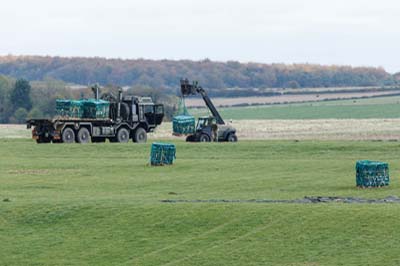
(372, 174)
(162, 153)
(69, 108)
(183, 123)
(90, 108)
(93, 108)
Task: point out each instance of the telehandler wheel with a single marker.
(140, 135)
(83, 136)
(122, 135)
(204, 138)
(190, 138)
(232, 138)
(68, 135)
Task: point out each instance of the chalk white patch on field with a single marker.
(14, 131)
(316, 129)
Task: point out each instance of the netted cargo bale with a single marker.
(162, 153)
(372, 174)
(95, 109)
(62, 107)
(69, 108)
(183, 124)
(76, 109)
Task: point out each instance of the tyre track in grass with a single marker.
(206, 233)
(249, 233)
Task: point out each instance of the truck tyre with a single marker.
(140, 135)
(232, 137)
(204, 138)
(83, 136)
(123, 135)
(68, 135)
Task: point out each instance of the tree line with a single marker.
(30, 85)
(165, 74)
(19, 101)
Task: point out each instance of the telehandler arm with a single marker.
(188, 89)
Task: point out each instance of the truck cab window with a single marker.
(159, 109)
(148, 109)
(200, 123)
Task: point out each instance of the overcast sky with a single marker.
(351, 32)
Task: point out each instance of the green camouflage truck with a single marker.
(117, 119)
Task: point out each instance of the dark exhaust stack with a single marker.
(95, 89)
(119, 103)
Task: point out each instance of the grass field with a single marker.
(99, 204)
(385, 107)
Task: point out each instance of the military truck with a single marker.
(127, 117)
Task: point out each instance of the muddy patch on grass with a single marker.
(305, 200)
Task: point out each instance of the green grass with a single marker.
(99, 204)
(384, 107)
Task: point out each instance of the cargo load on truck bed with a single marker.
(93, 108)
(85, 108)
(69, 108)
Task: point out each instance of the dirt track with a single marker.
(288, 98)
(321, 129)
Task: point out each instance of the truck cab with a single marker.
(150, 112)
(139, 109)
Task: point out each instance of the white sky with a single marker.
(351, 32)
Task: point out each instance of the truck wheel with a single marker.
(68, 135)
(232, 137)
(123, 135)
(204, 138)
(83, 136)
(140, 135)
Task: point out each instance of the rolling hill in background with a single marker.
(213, 75)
